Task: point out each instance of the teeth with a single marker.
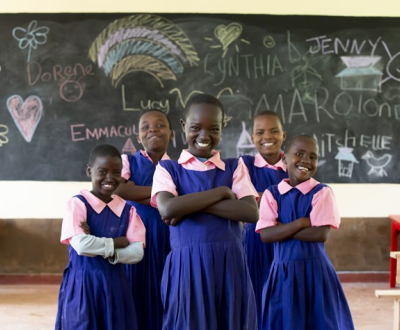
(203, 145)
(304, 169)
(107, 186)
(268, 144)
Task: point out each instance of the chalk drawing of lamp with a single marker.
(360, 73)
(346, 161)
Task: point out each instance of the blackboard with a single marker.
(69, 82)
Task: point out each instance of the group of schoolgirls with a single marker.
(199, 268)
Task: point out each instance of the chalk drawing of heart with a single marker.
(26, 114)
(227, 34)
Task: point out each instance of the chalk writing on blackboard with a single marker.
(346, 161)
(26, 114)
(146, 43)
(80, 132)
(269, 42)
(227, 35)
(377, 164)
(302, 72)
(31, 37)
(144, 104)
(244, 145)
(3, 134)
(129, 147)
(360, 73)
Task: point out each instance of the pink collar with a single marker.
(187, 157)
(259, 161)
(145, 154)
(305, 187)
(116, 205)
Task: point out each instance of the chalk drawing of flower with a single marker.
(32, 37)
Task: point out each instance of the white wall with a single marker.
(33, 199)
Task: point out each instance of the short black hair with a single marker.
(288, 143)
(268, 113)
(103, 150)
(158, 110)
(203, 99)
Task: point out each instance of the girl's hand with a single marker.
(120, 242)
(85, 227)
(171, 222)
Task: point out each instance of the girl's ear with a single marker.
(172, 135)
(284, 159)
(88, 171)
(284, 135)
(183, 125)
(138, 139)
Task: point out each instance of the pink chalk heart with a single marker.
(26, 114)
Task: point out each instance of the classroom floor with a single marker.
(34, 306)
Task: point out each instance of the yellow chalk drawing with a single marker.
(3, 134)
(143, 42)
(144, 63)
(269, 42)
(227, 35)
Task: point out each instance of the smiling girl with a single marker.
(302, 291)
(154, 135)
(265, 169)
(203, 198)
(103, 233)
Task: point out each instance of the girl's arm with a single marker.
(313, 234)
(171, 207)
(324, 215)
(244, 209)
(131, 192)
(281, 232)
(243, 206)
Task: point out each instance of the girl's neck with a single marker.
(155, 155)
(272, 159)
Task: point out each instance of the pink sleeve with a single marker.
(126, 167)
(242, 185)
(74, 215)
(268, 211)
(162, 181)
(136, 231)
(324, 210)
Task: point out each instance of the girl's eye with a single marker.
(160, 125)
(275, 132)
(102, 172)
(299, 154)
(194, 128)
(215, 130)
(259, 133)
(144, 128)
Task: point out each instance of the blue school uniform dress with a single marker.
(302, 291)
(206, 284)
(94, 293)
(260, 255)
(145, 277)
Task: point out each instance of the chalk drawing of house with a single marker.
(346, 161)
(360, 73)
(244, 145)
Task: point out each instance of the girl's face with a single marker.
(154, 132)
(203, 128)
(105, 173)
(301, 160)
(268, 135)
